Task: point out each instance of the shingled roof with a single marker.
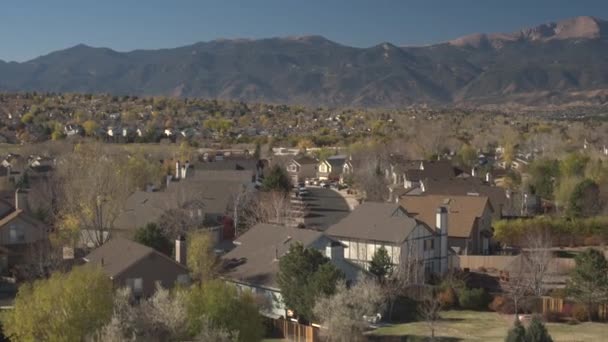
(376, 221)
(254, 260)
(462, 211)
(118, 254)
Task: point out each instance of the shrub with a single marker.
(473, 299)
(579, 313)
(404, 310)
(537, 332)
(502, 305)
(517, 333)
(552, 316)
(447, 298)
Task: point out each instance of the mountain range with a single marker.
(554, 63)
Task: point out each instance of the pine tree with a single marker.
(381, 264)
(517, 333)
(537, 332)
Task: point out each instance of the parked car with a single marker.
(324, 184)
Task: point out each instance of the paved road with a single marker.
(325, 207)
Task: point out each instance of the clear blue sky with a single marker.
(31, 28)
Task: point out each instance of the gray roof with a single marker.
(118, 254)
(213, 188)
(253, 261)
(336, 162)
(376, 221)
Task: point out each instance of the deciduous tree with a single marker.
(64, 307)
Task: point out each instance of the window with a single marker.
(136, 285)
(16, 234)
(293, 168)
(429, 244)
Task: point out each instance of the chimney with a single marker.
(185, 169)
(473, 172)
(422, 187)
(180, 250)
(177, 169)
(441, 222)
(20, 199)
(488, 178)
(334, 250)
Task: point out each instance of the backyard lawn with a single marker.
(486, 326)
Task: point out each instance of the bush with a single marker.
(404, 310)
(447, 298)
(552, 316)
(537, 332)
(473, 299)
(502, 305)
(579, 313)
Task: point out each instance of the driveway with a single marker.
(325, 207)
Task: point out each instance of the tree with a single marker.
(220, 304)
(467, 156)
(588, 283)
(277, 180)
(517, 333)
(342, 315)
(90, 127)
(429, 309)
(538, 258)
(584, 201)
(381, 264)
(150, 235)
(201, 258)
(304, 274)
(64, 307)
(537, 332)
(95, 188)
(543, 173)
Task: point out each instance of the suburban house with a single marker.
(373, 225)
(500, 198)
(301, 168)
(469, 217)
(254, 263)
(20, 234)
(406, 175)
(334, 168)
(138, 267)
(202, 196)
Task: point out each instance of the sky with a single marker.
(31, 28)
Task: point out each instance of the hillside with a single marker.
(554, 63)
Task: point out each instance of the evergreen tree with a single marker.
(150, 235)
(277, 180)
(304, 275)
(381, 264)
(588, 283)
(517, 333)
(537, 332)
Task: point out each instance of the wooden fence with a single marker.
(294, 331)
(550, 304)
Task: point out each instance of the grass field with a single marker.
(487, 326)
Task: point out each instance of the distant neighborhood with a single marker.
(282, 231)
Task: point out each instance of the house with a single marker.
(138, 267)
(204, 196)
(20, 233)
(254, 263)
(302, 168)
(334, 168)
(500, 199)
(469, 217)
(435, 169)
(372, 225)
(72, 130)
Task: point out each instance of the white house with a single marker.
(373, 225)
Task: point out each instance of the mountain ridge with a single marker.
(553, 63)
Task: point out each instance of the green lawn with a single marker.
(488, 326)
